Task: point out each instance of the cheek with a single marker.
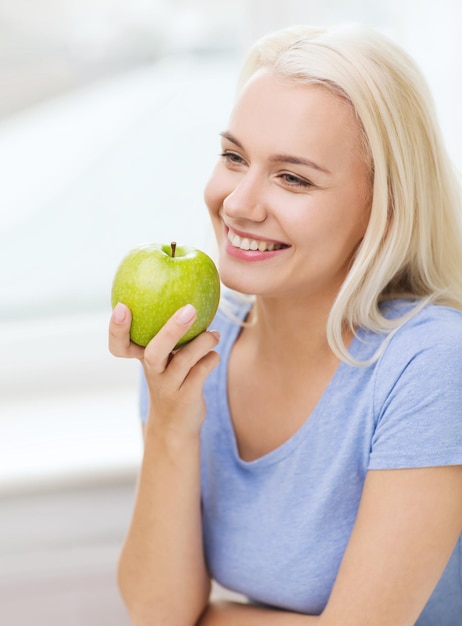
(213, 193)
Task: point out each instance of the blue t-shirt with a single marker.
(276, 528)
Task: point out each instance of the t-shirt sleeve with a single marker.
(418, 399)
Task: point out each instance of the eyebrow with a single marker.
(278, 158)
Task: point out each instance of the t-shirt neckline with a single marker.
(279, 453)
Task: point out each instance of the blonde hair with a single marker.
(412, 247)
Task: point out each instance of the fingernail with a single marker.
(118, 314)
(216, 334)
(186, 314)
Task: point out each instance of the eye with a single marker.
(291, 180)
(232, 158)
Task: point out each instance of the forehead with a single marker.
(293, 115)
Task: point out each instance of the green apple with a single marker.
(155, 280)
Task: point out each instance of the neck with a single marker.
(294, 330)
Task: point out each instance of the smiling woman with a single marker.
(309, 457)
(120, 156)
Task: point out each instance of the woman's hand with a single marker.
(175, 378)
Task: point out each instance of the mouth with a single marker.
(249, 243)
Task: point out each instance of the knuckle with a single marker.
(212, 360)
(206, 364)
(181, 357)
(113, 351)
(114, 346)
(119, 345)
(118, 341)
(150, 362)
(150, 358)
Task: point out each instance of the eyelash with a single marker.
(289, 179)
(231, 157)
(296, 181)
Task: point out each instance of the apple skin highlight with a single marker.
(155, 280)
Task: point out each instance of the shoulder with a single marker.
(434, 334)
(422, 363)
(430, 331)
(417, 394)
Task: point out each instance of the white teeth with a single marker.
(244, 243)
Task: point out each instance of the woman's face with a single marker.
(290, 196)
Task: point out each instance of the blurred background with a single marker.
(109, 120)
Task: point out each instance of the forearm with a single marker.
(235, 614)
(162, 575)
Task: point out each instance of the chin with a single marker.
(248, 287)
(251, 279)
(239, 286)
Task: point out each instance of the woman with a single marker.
(307, 451)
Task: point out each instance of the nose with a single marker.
(247, 200)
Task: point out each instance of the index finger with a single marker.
(158, 351)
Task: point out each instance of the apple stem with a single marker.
(173, 246)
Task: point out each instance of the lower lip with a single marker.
(251, 256)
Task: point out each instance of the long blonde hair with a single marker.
(412, 247)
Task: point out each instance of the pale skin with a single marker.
(307, 190)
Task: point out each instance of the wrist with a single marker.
(171, 439)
